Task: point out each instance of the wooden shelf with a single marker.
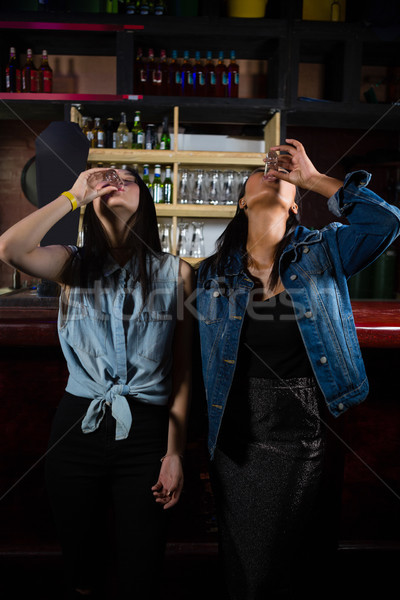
(196, 211)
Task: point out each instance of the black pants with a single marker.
(86, 474)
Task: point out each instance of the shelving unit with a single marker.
(192, 159)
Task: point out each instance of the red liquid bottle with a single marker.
(160, 75)
(13, 73)
(29, 74)
(233, 77)
(199, 77)
(45, 75)
(150, 69)
(187, 75)
(221, 76)
(174, 80)
(137, 72)
(209, 70)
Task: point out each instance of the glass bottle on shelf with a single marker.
(165, 237)
(197, 244)
(160, 75)
(168, 187)
(209, 69)
(13, 73)
(87, 129)
(165, 141)
(184, 190)
(182, 248)
(174, 80)
(221, 77)
(138, 67)
(137, 132)
(123, 133)
(150, 137)
(29, 74)
(160, 8)
(199, 79)
(146, 177)
(233, 77)
(109, 132)
(45, 78)
(158, 186)
(150, 73)
(187, 75)
(98, 134)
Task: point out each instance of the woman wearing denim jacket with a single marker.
(127, 346)
(280, 356)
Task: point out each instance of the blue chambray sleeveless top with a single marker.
(115, 345)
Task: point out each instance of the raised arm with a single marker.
(19, 245)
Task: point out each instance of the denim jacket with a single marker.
(115, 346)
(314, 269)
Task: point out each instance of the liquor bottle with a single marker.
(98, 134)
(145, 8)
(233, 77)
(130, 7)
(45, 75)
(158, 186)
(335, 11)
(199, 77)
(187, 75)
(160, 8)
(165, 141)
(137, 133)
(123, 133)
(209, 69)
(109, 131)
(146, 177)
(137, 72)
(167, 186)
(29, 74)
(87, 130)
(221, 77)
(13, 73)
(150, 71)
(160, 75)
(174, 80)
(150, 138)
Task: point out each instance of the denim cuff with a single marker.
(352, 182)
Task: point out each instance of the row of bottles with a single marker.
(113, 135)
(187, 76)
(160, 188)
(28, 78)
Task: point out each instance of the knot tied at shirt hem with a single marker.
(115, 397)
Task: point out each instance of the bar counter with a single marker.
(33, 375)
(26, 319)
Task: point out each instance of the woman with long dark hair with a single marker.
(280, 359)
(118, 436)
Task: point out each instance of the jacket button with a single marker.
(323, 360)
(308, 314)
(216, 294)
(306, 249)
(340, 406)
(293, 277)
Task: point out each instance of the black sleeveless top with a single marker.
(271, 345)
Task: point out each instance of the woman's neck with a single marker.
(264, 234)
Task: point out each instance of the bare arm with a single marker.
(168, 488)
(19, 245)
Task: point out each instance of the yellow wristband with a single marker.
(71, 198)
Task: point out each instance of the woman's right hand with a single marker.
(89, 185)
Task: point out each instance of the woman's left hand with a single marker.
(169, 486)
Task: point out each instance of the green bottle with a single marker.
(158, 186)
(167, 186)
(137, 133)
(146, 177)
(165, 141)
